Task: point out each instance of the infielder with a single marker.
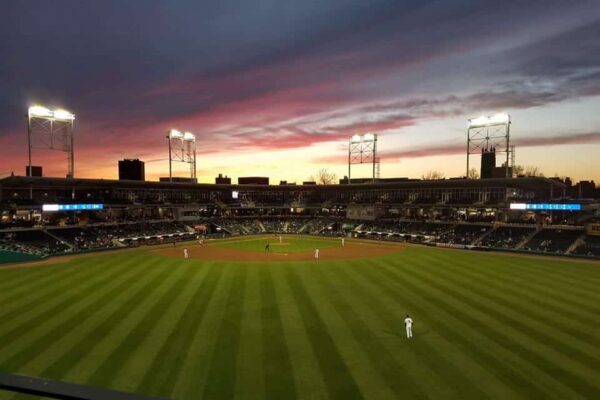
(185, 253)
(408, 322)
(343, 242)
(280, 239)
(316, 254)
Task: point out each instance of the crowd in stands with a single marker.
(506, 237)
(590, 246)
(552, 240)
(60, 240)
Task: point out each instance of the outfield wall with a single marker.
(7, 257)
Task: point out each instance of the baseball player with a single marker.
(408, 322)
(185, 253)
(316, 254)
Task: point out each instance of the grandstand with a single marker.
(459, 213)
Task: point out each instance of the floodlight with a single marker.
(355, 139)
(175, 134)
(189, 137)
(498, 119)
(369, 137)
(63, 114)
(39, 111)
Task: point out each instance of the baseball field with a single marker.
(236, 321)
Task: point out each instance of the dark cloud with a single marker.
(276, 74)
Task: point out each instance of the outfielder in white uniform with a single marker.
(343, 242)
(280, 239)
(408, 322)
(185, 253)
(316, 254)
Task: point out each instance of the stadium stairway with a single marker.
(528, 238)
(260, 226)
(485, 234)
(69, 245)
(579, 241)
(285, 226)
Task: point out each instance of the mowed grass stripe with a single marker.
(195, 363)
(366, 300)
(222, 371)
(84, 309)
(160, 377)
(250, 375)
(14, 281)
(132, 370)
(308, 380)
(562, 351)
(541, 271)
(38, 291)
(367, 376)
(499, 379)
(277, 366)
(513, 275)
(99, 344)
(81, 335)
(551, 323)
(50, 312)
(406, 378)
(499, 334)
(338, 379)
(511, 282)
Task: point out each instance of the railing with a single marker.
(61, 390)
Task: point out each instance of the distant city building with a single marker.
(309, 183)
(253, 180)
(223, 180)
(488, 164)
(585, 190)
(131, 170)
(36, 170)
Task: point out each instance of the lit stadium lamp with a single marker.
(189, 137)
(175, 134)
(63, 115)
(483, 121)
(369, 137)
(39, 111)
(355, 139)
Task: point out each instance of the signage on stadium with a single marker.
(72, 207)
(545, 207)
(593, 229)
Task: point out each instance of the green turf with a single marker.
(486, 326)
(288, 244)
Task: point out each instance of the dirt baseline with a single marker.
(352, 250)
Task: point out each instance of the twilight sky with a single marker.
(275, 88)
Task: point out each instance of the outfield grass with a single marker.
(486, 326)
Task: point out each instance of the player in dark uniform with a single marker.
(267, 247)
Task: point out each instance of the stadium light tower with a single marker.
(51, 130)
(363, 150)
(487, 133)
(182, 148)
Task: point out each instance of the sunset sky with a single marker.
(275, 88)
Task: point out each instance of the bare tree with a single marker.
(518, 170)
(324, 177)
(528, 170)
(433, 175)
(533, 171)
(473, 174)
